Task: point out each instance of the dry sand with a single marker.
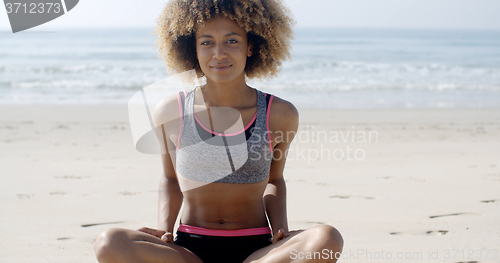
(425, 186)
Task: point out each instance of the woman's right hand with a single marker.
(163, 235)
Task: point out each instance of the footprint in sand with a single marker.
(454, 214)
(63, 127)
(416, 179)
(25, 196)
(57, 193)
(127, 193)
(98, 224)
(436, 232)
(71, 177)
(351, 196)
(491, 201)
(10, 127)
(421, 233)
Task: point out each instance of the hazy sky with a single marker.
(329, 13)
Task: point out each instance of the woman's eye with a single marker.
(205, 43)
(232, 41)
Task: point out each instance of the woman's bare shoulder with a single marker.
(283, 115)
(166, 111)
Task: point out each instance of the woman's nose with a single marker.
(220, 52)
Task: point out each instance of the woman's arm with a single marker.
(166, 121)
(170, 197)
(284, 120)
(275, 203)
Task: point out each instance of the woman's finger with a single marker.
(168, 237)
(153, 232)
(278, 235)
(146, 230)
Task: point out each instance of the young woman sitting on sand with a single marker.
(228, 176)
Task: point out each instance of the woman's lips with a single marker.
(221, 68)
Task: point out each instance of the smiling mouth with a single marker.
(220, 68)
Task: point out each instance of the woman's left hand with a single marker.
(163, 235)
(280, 235)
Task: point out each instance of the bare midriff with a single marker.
(225, 206)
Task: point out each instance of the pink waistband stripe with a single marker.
(224, 233)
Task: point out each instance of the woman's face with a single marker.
(222, 50)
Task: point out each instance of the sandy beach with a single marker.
(409, 185)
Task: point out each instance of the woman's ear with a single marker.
(249, 53)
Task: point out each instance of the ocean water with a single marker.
(330, 68)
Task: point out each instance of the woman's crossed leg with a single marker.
(322, 243)
(118, 245)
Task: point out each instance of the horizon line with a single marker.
(49, 28)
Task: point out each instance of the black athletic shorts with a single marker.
(222, 249)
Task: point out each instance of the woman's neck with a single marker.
(235, 94)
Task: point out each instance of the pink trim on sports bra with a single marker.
(267, 119)
(225, 134)
(224, 233)
(181, 114)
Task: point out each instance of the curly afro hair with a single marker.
(268, 24)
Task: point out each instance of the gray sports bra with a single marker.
(242, 157)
